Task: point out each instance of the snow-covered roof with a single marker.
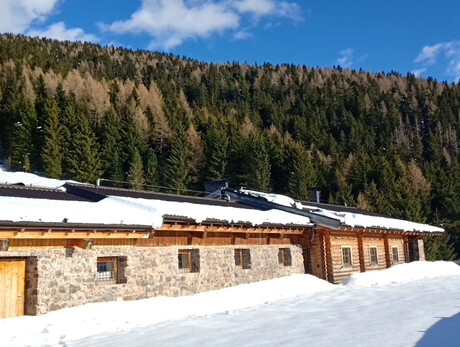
(357, 218)
(125, 210)
(139, 208)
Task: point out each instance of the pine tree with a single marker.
(151, 170)
(301, 175)
(177, 170)
(8, 113)
(216, 144)
(84, 160)
(136, 172)
(22, 147)
(109, 138)
(52, 151)
(258, 164)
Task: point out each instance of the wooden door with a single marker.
(12, 287)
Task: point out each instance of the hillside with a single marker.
(380, 141)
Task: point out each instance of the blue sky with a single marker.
(418, 36)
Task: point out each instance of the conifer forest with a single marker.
(380, 141)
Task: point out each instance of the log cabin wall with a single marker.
(316, 255)
(377, 242)
(340, 240)
(397, 241)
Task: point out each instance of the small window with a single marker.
(189, 260)
(395, 253)
(243, 258)
(346, 257)
(373, 255)
(111, 269)
(284, 256)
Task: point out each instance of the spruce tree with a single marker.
(177, 170)
(151, 170)
(84, 160)
(301, 175)
(136, 172)
(22, 147)
(216, 144)
(258, 164)
(52, 151)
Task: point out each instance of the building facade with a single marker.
(83, 244)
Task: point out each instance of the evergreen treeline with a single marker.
(382, 142)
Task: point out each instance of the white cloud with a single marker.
(17, 15)
(60, 32)
(242, 35)
(267, 7)
(346, 58)
(450, 51)
(171, 22)
(418, 72)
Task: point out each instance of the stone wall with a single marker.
(59, 278)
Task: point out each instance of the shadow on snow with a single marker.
(445, 333)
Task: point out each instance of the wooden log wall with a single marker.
(376, 241)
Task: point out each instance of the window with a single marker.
(189, 260)
(395, 253)
(243, 258)
(373, 255)
(111, 269)
(284, 256)
(346, 257)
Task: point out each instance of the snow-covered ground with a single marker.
(416, 304)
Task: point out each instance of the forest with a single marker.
(380, 141)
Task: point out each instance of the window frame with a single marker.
(393, 261)
(242, 258)
(193, 260)
(284, 257)
(371, 262)
(181, 255)
(348, 264)
(114, 271)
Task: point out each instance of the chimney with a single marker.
(315, 194)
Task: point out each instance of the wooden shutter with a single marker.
(122, 262)
(195, 255)
(246, 258)
(287, 257)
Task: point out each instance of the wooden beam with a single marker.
(362, 267)
(213, 228)
(387, 251)
(82, 243)
(74, 235)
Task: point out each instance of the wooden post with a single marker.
(387, 251)
(406, 249)
(362, 266)
(328, 276)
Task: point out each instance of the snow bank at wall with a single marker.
(56, 328)
(91, 319)
(404, 273)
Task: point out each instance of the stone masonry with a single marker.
(59, 278)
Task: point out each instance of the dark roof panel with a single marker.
(19, 191)
(97, 193)
(339, 208)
